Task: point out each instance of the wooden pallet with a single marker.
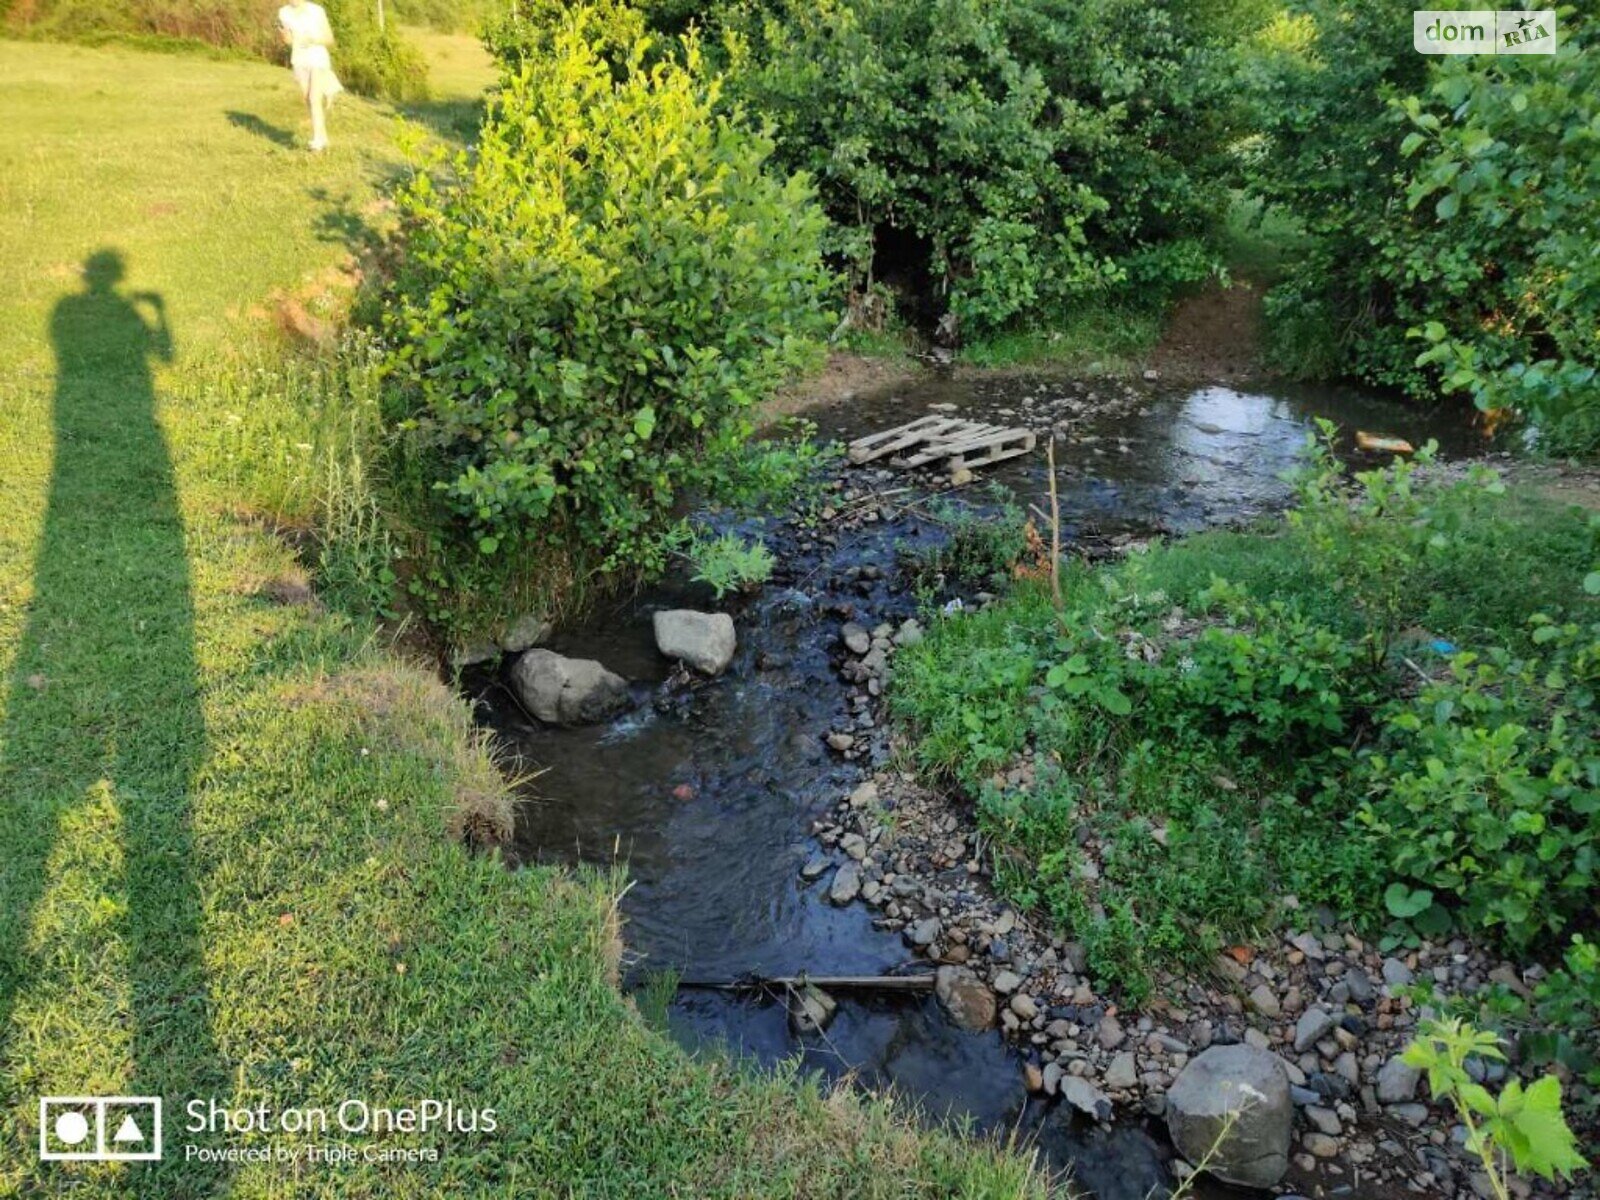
(965, 444)
(981, 453)
(903, 437)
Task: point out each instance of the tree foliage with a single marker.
(590, 303)
(1454, 203)
(1027, 155)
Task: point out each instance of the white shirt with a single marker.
(308, 26)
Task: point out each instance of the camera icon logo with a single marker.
(99, 1128)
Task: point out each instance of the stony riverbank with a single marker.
(1335, 1010)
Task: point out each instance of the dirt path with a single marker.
(1213, 336)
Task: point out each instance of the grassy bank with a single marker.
(227, 866)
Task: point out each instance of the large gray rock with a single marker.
(1234, 1079)
(705, 641)
(970, 1003)
(567, 691)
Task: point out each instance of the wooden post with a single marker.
(1055, 521)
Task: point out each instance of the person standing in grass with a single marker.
(308, 35)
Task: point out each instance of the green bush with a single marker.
(526, 31)
(1486, 791)
(1223, 721)
(1450, 201)
(371, 61)
(585, 309)
(728, 563)
(1000, 161)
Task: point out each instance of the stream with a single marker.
(708, 793)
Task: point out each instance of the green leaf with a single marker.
(1591, 583)
(1115, 702)
(1404, 903)
(644, 423)
(1544, 1145)
(1449, 204)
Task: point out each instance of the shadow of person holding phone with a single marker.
(103, 733)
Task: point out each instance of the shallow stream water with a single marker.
(708, 795)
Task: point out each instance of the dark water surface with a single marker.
(709, 797)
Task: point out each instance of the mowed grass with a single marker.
(227, 867)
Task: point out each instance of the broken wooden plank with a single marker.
(876, 445)
(945, 447)
(1017, 441)
(778, 983)
(932, 430)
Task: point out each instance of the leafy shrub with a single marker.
(1524, 1125)
(1449, 199)
(1556, 1022)
(1488, 789)
(373, 61)
(527, 31)
(1002, 161)
(585, 309)
(729, 563)
(981, 544)
(1219, 691)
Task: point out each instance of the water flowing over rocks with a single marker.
(1332, 1010)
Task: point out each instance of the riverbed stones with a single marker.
(971, 1005)
(1222, 1081)
(1265, 1001)
(1396, 974)
(473, 654)
(526, 632)
(846, 885)
(705, 641)
(1397, 1082)
(567, 691)
(855, 638)
(1314, 1025)
(1085, 1097)
(1123, 1072)
(810, 1009)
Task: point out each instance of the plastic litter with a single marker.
(1382, 443)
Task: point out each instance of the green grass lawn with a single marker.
(226, 867)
